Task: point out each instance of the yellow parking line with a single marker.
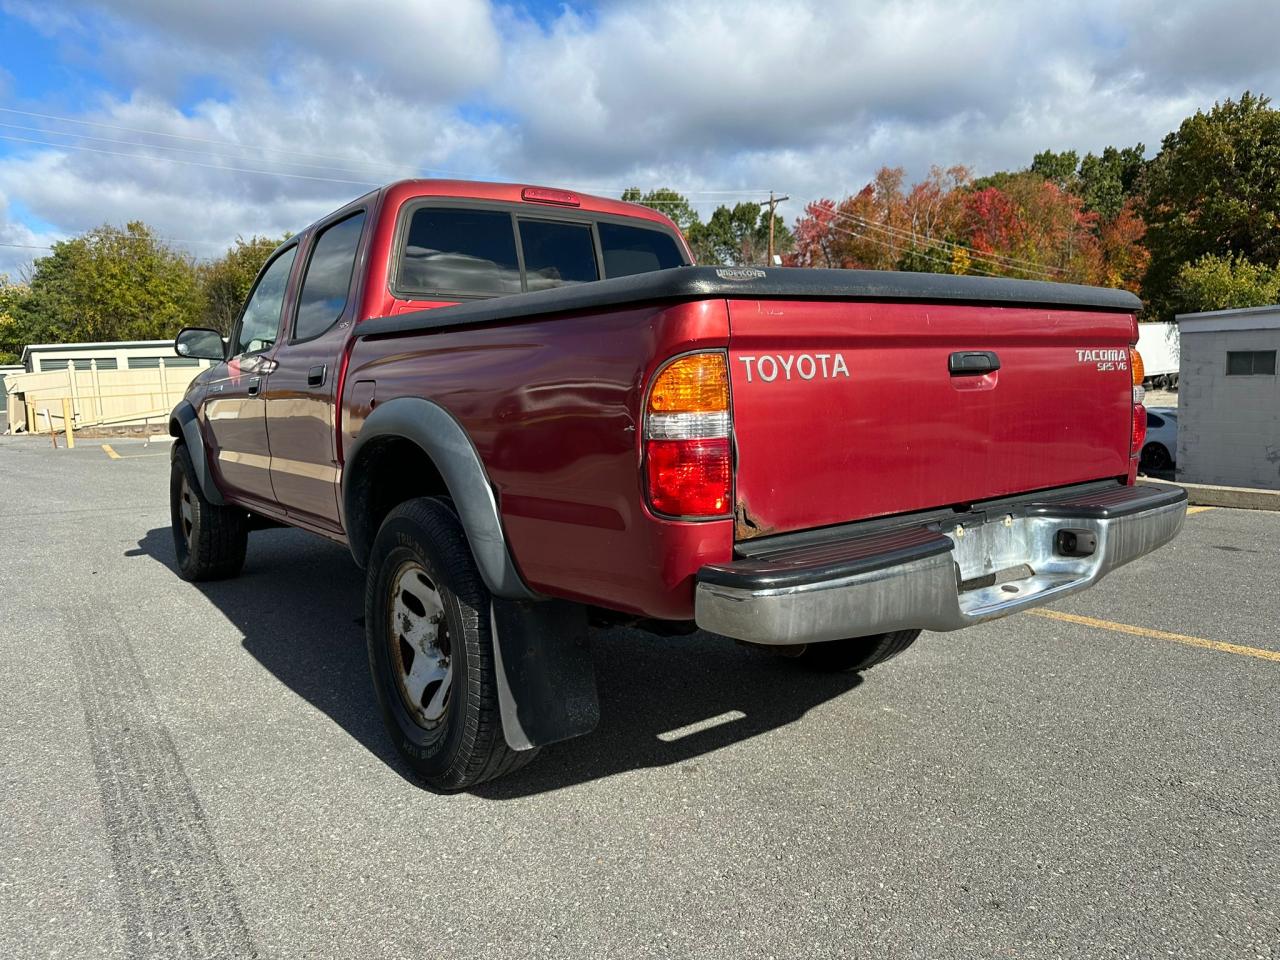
(110, 452)
(1191, 510)
(1160, 635)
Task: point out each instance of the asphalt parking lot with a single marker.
(198, 771)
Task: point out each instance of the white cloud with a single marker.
(802, 96)
(430, 50)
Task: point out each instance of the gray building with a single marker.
(1229, 398)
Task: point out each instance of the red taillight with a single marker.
(689, 478)
(1139, 411)
(688, 461)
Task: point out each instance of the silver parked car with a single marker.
(1160, 449)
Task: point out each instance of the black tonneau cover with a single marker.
(752, 283)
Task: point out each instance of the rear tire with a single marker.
(431, 649)
(209, 541)
(1155, 456)
(857, 653)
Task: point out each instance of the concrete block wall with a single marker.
(1228, 427)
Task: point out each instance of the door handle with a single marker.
(254, 384)
(315, 376)
(972, 362)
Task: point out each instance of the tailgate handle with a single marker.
(973, 362)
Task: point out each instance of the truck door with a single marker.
(235, 408)
(301, 391)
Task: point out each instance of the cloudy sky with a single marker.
(213, 119)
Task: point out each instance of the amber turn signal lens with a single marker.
(698, 383)
(1135, 364)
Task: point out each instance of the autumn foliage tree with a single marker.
(1023, 224)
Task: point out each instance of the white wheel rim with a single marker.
(419, 645)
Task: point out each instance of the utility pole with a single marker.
(773, 205)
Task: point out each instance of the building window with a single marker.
(104, 363)
(153, 363)
(1251, 363)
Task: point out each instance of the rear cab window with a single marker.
(630, 250)
(557, 254)
(455, 251)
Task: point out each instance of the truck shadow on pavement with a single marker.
(299, 607)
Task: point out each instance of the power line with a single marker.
(161, 146)
(895, 240)
(1000, 259)
(179, 136)
(888, 246)
(239, 145)
(194, 163)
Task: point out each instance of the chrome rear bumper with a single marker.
(942, 575)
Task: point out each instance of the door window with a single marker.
(323, 296)
(260, 322)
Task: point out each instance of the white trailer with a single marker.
(1158, 344)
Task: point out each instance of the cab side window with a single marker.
(325, 287)
(260, 322)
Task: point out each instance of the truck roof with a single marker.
(398, 192)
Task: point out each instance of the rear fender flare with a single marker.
(446, 442)
(184, 424)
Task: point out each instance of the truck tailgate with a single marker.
(849, 410)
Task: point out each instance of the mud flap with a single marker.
(546, 680)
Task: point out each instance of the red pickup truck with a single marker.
(526, 412)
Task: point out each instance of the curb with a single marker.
(1211, 495)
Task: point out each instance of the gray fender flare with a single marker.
(188, 428)
(445, 441)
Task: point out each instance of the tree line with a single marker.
(1195, 227)
(115, 283)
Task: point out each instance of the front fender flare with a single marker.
(446, 442)
(188, 428)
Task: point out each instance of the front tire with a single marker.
(857, 653)
(209, 541)
(431, 649)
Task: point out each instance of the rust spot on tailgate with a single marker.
(745, 527)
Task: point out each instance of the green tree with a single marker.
(1105, 182)
(1213, 189)
(225, 282)
(14, 334)
(666, 201)
(739, 236)
(1057, 168)
(109, 284)
(1221, 283)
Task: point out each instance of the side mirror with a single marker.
(200, 343)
